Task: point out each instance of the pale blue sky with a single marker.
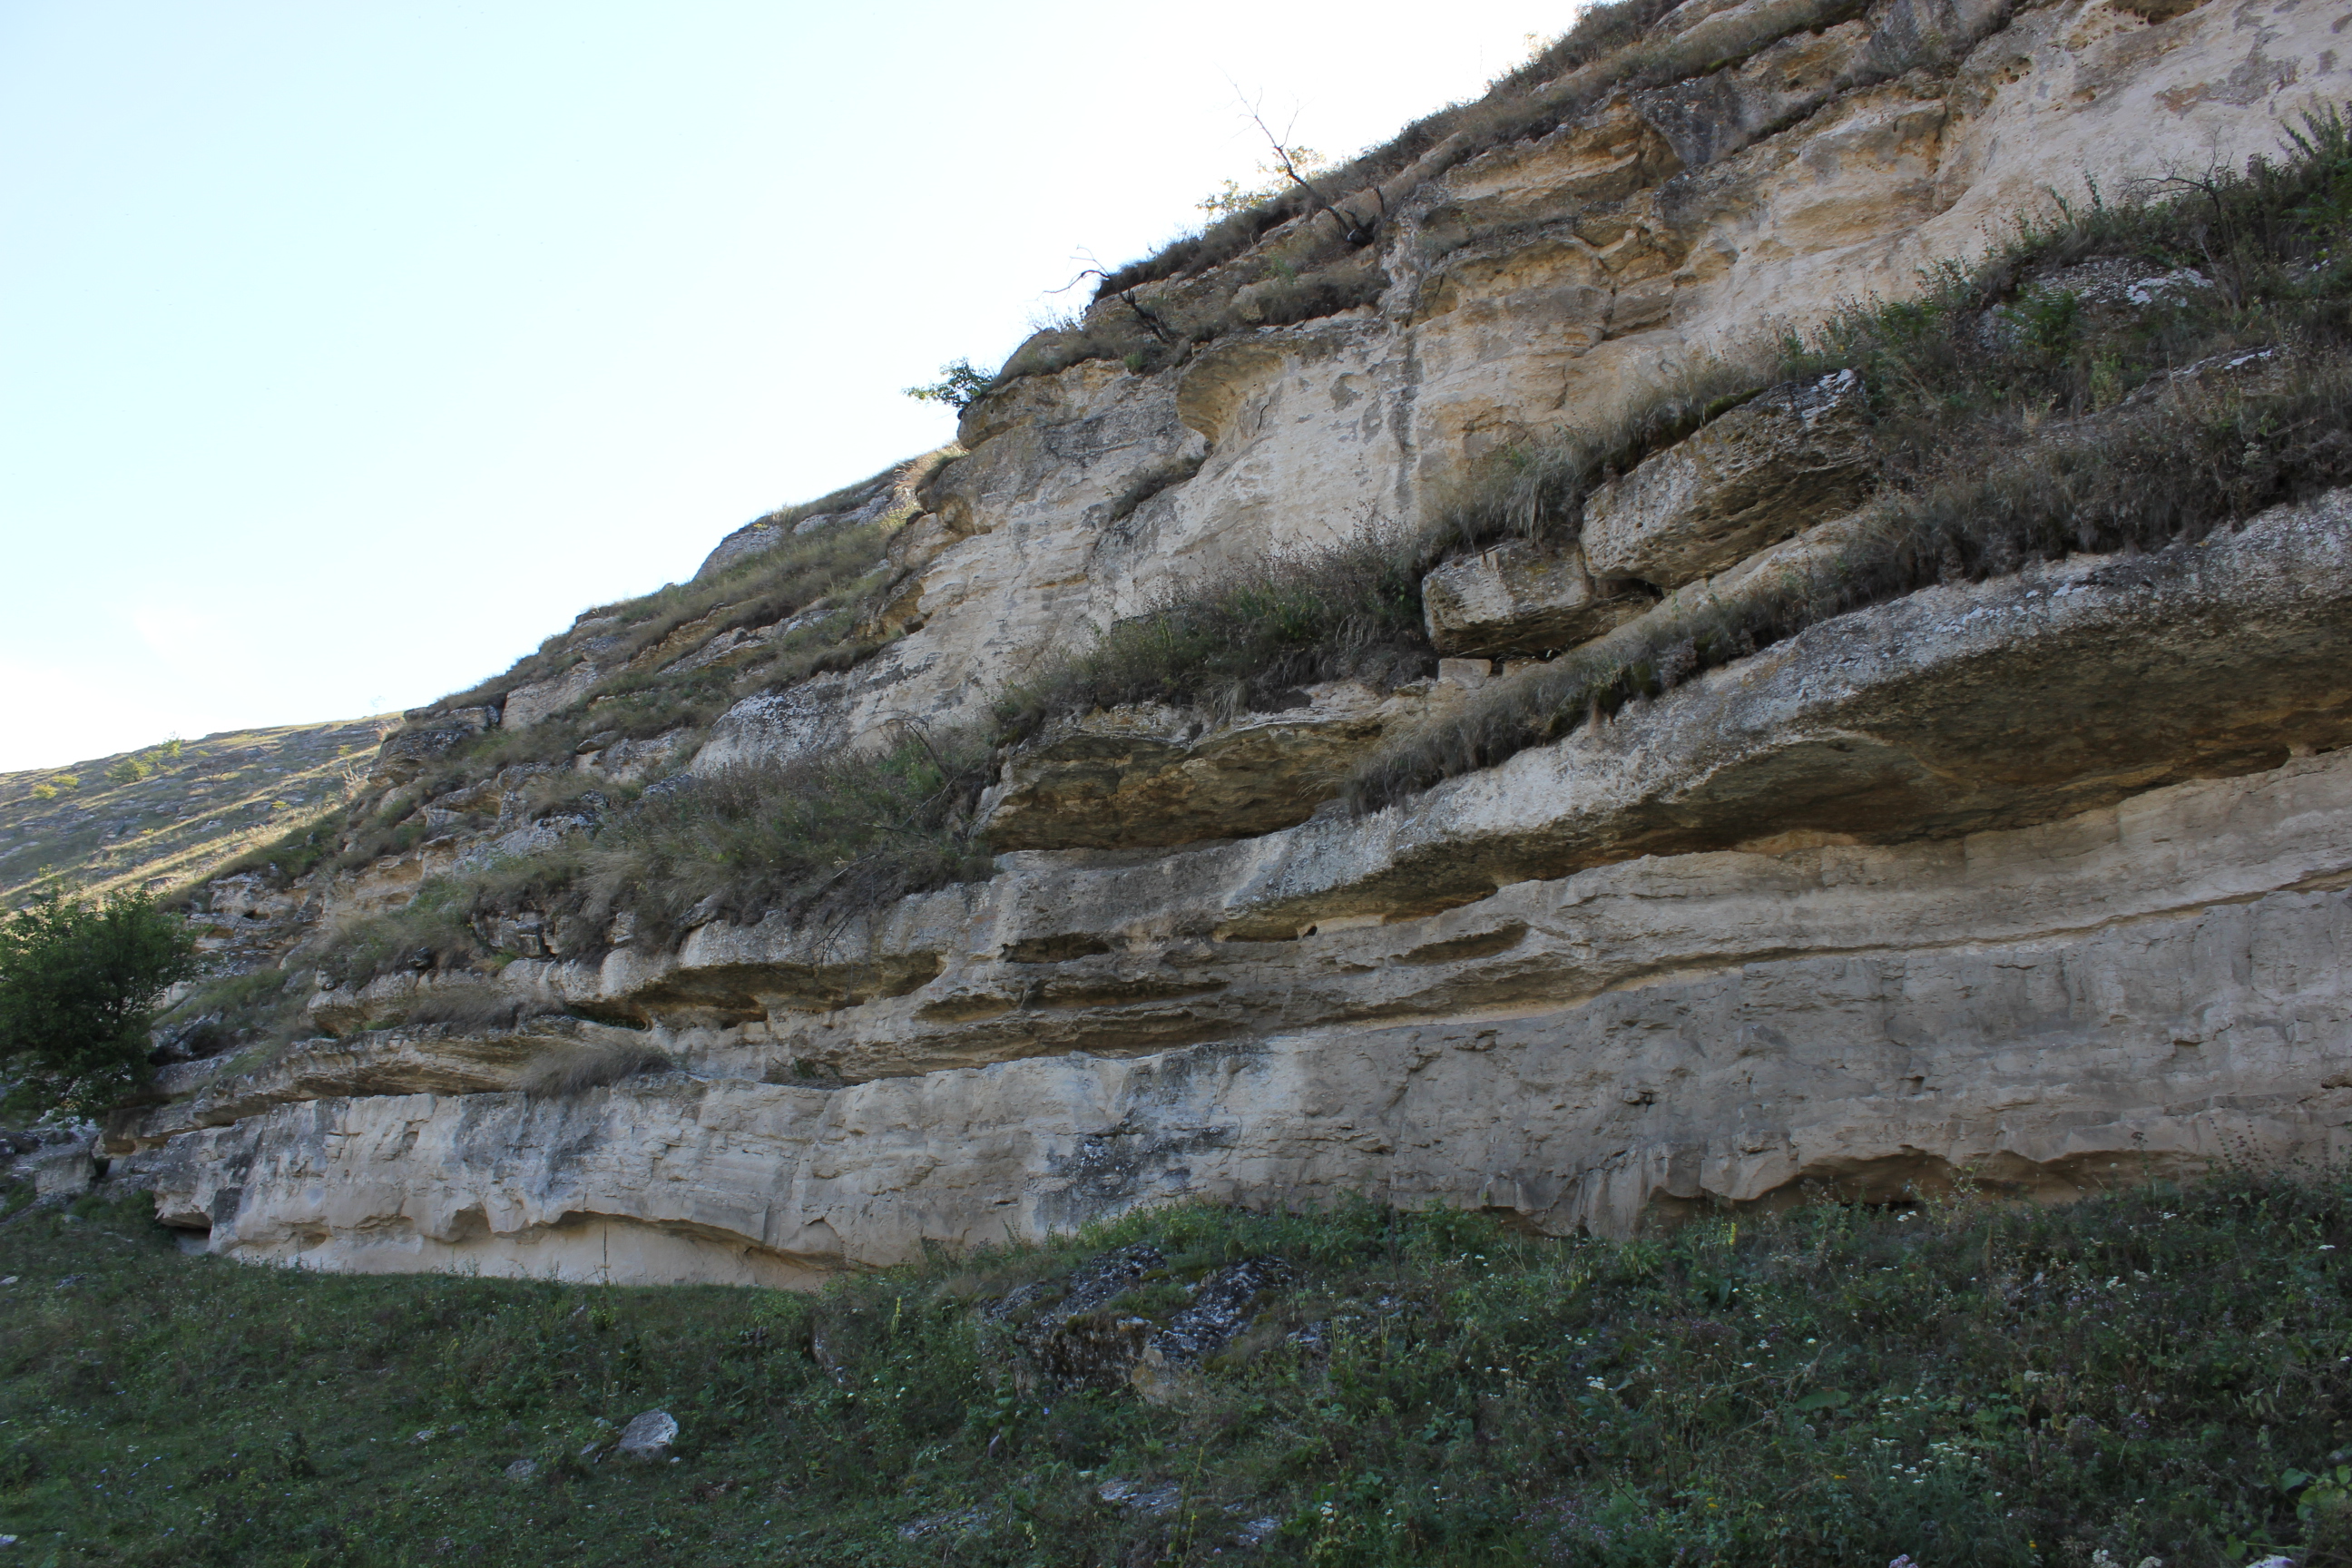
(348, 349)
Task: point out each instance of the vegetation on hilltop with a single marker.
(1515, 107)
(2157, 1372)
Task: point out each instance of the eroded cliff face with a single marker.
(2042, 877)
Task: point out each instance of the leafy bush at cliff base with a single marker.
(2225, 392)
(2159, 1372)
(79, 986)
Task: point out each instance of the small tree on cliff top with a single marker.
(79, 986)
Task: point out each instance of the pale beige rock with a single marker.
(2138, 990)
(431, 1059)
(1133, 776)
(1788, 458)
(1521, 597)
(409, 750)
(63, 1170)
(2036, 874)
(1892, 723)
(528, 705)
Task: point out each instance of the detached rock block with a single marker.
(409, 750)
(1521, 599)
(1787, 459)
(64, 1171)
(1151, 776)
(649, 1435)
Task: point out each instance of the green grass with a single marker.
(820, 838)
(2158, 1372)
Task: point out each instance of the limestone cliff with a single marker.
(2039, 872)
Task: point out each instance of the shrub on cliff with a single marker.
(78, 987)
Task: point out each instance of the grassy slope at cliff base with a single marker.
(2157, 1372)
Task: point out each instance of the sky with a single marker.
(347, 351)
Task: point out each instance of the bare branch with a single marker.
(1353, 234)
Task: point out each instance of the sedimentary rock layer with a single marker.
(2138, 988)
(2040, 877)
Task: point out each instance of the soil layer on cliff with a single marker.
(2156, 1373)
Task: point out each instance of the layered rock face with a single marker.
(2041, 879)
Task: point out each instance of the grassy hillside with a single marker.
(166, 816)
(2155, 1373)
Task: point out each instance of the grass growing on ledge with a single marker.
(821, 838)
(2157, 1372)
(809, 838)
(1246, 642)
(2108, 429)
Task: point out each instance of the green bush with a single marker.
(78, 987)
(961, 383)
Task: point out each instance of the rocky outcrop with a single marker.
(1522, 597)
(1792, 457)
(1153, 775)
(2041, 879)
(432, 1058)
(2130, 991)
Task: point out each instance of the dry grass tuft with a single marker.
(1247, 641)
(477, 1010)
(823, 835)
(573, 1069)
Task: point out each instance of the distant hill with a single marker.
(164, 816)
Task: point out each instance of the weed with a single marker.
(428, 932)
(822, 834)
(261, 1008)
